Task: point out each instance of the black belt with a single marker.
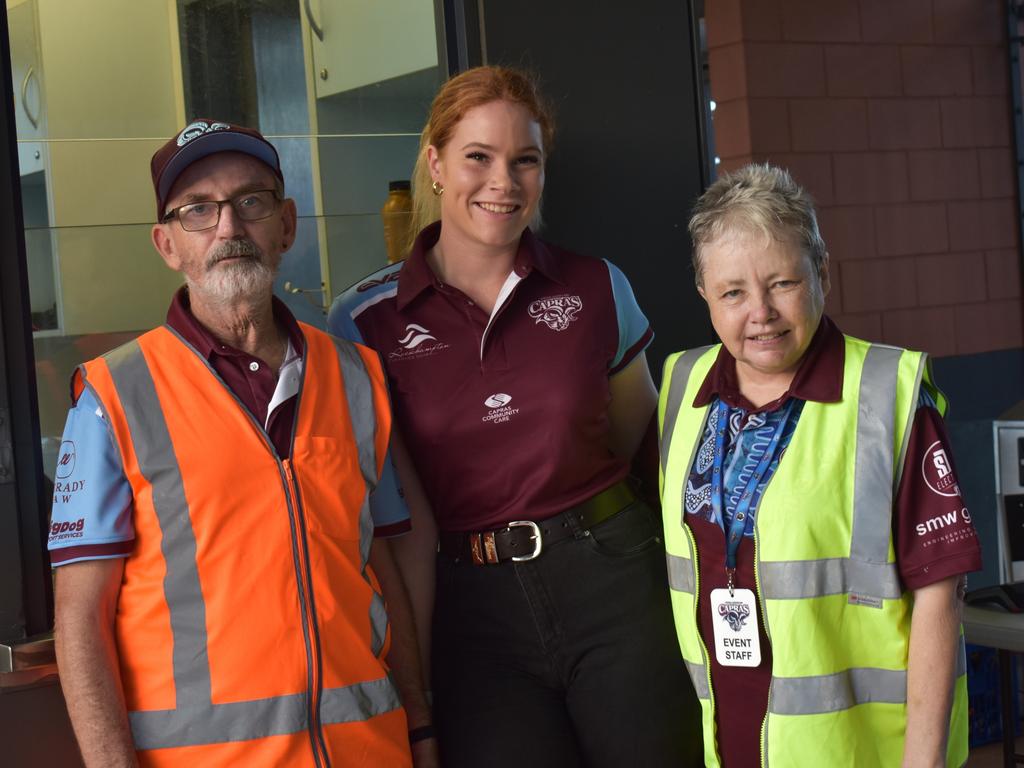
(522, 540)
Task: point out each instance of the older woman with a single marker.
(816, 534)
(521, 389)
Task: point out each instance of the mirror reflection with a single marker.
(341, 88)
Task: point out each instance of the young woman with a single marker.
(521, 391)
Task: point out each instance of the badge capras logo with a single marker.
(734, 613)
(197, 129)
(556, 312)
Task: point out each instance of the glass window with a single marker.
(341, 88)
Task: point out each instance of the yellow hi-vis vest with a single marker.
(832, 604)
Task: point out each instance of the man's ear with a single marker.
(164, 245)
(289, 223)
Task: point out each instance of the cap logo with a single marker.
(197, 129)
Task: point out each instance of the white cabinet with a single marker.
(28, 85)
(364, 42)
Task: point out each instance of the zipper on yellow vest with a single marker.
(767, 634)
(696, 623)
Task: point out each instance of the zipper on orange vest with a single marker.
(307, 590)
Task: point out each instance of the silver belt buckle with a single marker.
(537, 544)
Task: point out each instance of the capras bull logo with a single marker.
(556, 312)
(197, 129)
(734, 614)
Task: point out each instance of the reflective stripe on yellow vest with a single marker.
(250, 629)
(832, 603)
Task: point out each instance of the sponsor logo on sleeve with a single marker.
(938, 472)
(947, 528)
(499, 409)
(556, 312)
(64, 485)
(66, 460)
(416, 343)
(69, 529)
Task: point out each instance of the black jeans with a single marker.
(567, 660)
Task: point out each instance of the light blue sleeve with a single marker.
(634, 329)
(92, 499)
(387, 503)
(340, 322)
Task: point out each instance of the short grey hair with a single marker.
(761, 199)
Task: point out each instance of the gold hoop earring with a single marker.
(437, 188)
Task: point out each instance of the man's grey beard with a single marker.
(248, 278)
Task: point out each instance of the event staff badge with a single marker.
(734, 615)
(733, 610)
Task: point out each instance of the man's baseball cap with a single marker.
(199, 139)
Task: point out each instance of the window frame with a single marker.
(26, 590)
(26, 585)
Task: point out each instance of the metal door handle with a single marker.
(317, 29)
(295, 290)
(24, 96)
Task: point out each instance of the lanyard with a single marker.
(739, 521)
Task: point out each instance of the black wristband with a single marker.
(422, 733)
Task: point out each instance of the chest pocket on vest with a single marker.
(331, 486)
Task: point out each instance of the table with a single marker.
(1003, 631)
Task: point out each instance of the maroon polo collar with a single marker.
(181, 319)
(819, 377)
(416, 275)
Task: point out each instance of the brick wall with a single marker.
(895, 114)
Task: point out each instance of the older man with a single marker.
(218, 600)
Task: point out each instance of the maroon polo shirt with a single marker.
(925, 553)
(506, 417)
(250, 379)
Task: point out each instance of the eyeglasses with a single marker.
(251, 206)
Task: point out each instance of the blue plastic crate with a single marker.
(983, 697)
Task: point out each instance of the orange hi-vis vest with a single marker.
(250, 629)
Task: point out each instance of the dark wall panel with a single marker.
(980, 389)
(627, 160)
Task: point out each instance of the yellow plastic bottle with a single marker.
(396, 216)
